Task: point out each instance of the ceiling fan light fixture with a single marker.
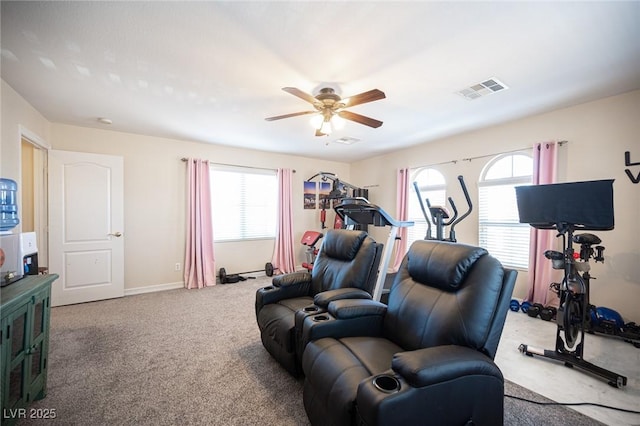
(316, 121)
(329, 106)
(325, 128)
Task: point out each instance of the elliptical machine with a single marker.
(439, 214)
(567, 208)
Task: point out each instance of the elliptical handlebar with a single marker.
(455, 212)
(424, 211)
(469, 205)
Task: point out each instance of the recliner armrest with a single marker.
(345, 318)
(450, 384)
(294, 278)
(356, 308)
(424, 367)
(296, 284)
(323, 299)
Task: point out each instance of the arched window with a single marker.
(432, 186)
(501, 233)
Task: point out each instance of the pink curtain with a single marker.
(402, 213)
(199, 267)
(284, 253)
(541, 274)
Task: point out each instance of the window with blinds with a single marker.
(499, 229)
(243, 203)
(432, 186)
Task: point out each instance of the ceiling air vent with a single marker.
(347, 140)
(484, 88)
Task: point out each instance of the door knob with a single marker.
(117, 234)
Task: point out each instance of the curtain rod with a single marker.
(236, 165)
(560, 143)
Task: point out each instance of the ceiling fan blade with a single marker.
(295, 114)
(362, 98)
(367, 121)
(299, 93)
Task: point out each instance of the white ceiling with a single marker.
(212, 71)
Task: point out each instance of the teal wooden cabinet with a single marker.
(25, 311)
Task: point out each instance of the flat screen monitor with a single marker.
(584, 205)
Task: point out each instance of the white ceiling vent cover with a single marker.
(484, 88)
(347, 140)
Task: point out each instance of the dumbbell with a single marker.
(514, 305)
(535, 310)
(548, 313)
(525, 306)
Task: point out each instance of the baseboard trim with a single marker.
(153, 288)
(180, 284)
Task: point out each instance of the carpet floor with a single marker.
(191, 357)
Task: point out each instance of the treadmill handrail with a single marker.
(361, 204)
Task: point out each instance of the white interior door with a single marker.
(86, 226)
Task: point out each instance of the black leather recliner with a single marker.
(346, 267)
(426, 358)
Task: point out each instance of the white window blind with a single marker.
(244, 203)
(499, 229)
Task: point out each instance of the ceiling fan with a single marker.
(328, 105)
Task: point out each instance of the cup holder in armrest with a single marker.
(318, 318)
(312, 308)
(268, 288)
(386, 383)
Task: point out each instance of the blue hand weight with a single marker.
(525, 306)
(514, 305)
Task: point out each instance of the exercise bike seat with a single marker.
(588, 239)
(553, 255)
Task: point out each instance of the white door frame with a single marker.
(40, 214)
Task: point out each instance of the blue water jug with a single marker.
(8, 204)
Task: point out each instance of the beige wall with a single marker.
(154, 199)
(598, 133)
(19, 119)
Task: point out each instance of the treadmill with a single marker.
(359, 211)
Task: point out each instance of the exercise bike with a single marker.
(573, 314)
(440, 215)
